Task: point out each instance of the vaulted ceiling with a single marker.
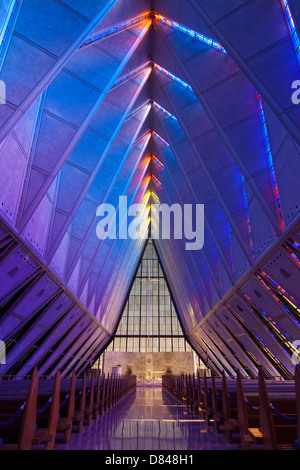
(185, 100)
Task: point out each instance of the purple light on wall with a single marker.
(247, 214)
(230, 247)
(270, 157)
(268, 318)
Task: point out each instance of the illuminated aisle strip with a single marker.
(190, 32)
(270, 157)
(115, 29)
(292, 28)
(149, 419)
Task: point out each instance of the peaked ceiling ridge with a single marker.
(128, 25)
(161, 113)
(160, 138)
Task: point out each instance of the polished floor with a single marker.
(148, 418)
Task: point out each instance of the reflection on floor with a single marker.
(147, 419)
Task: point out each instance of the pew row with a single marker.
(256, 413)
(41, 413)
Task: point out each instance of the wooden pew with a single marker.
(88, 410)
(106, 395)
(66, 412)
(114, 390)
(108, 391)
(96, 404)
(248, 418)
(19, 435)
(183, 389)
(255, 424)
(189, 396)
(278, 432)
(199, 397)
(177, 387)
(47, 421)
(237, 408)
(194, 396)
(173, 384)
(78, 417)
(229, 412)
(239, 415)
(118, 389)
(217, 415)
(103, 393)
(54, 409)
(111, 390)
(208, 410)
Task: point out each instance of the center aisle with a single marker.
(148, 418)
